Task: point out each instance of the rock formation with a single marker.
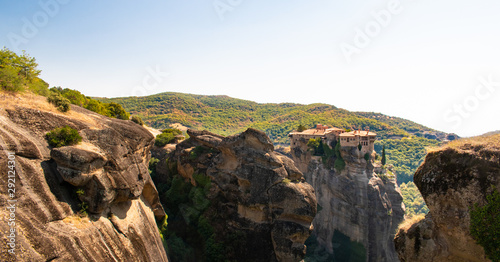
(355, 202)
(261, 208)
(452, 179)
(105, 175)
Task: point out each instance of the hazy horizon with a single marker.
(434, 63)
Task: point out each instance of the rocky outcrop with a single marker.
(452, 179)
(105, 175)
(356, 202)
(261, 208)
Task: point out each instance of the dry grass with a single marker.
(77, 221)
(407, 223)
(478, 143)
(9, 100)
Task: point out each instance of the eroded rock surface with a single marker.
(451, 180)
(109, 168)
(354, 202)
(256, 194)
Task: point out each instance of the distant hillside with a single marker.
(225, 115)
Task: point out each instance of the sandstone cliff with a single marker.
(452, 179)
(355, 204)
(109, 171)
(246, 202)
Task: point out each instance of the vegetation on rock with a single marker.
(138, 120)
(485, 225)
(63, 136)
(167, 136)
(61, 103)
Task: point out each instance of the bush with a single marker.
(116, 110)
(485, 225)
(137, 120)
(339, 163)
(163, 139)
(59, 101)
(63, 136)
(367, 157)
(166, 137)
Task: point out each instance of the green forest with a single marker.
(225, 115)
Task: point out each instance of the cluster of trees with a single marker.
(20, 73)
(330, 155)
(110, 109)
(413, 200)
(405, 154)
(190, 235)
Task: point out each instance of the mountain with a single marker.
(226, 116)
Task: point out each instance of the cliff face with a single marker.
(355, 202)
(107, 171)
(260, 208)
(451, 180)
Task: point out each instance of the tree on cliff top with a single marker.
(301, 128)
(19, 72)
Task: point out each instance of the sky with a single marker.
(433, 62)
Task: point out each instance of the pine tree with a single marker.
(384, 160)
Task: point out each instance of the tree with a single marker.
(116, 110)
(17, 72)
(301, 128)
(138, 120)
(384, 160)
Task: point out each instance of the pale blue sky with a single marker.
(425, 62)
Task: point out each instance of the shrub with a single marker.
(83, 209)
(59, 101)
(367, 157)
(163, 139)
(286, 181)
(63, 136)
(339, 163)
(116, 110)
(485, 225)
(167, 136)
(137, 120)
